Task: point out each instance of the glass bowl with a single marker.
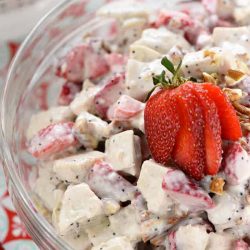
(27, 90)
(31, 86)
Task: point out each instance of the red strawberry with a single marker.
(212, 131)
(68, 93)
(229, 121)
(161, 125)
(189, 150)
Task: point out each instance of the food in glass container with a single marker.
(149, 145)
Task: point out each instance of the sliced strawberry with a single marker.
(116, 187)
(230, 125)
(171, 240)
(212, 131)
(161, 125)
(189, 151)
(185, 191)
(54, 139)
(124, 108)
(241, 245)
(68, 93)
(113, 88)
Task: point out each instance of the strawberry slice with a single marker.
(161, 125)
(230, 125)
(189, 151)
(186, 192)
(212, 131)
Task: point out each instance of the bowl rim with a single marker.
(7, 155)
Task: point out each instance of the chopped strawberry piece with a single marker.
(236, 164)
(171, 241)
(185, 191)
(107, 183)
(110, 92)
(212, 131)
(125, 108)
(161, 125)
(56, 138)
(68, 93)
(241, 245)
(189, 151)
(82, 62)
(230, 125)
(117, 62)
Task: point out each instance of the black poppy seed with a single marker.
(78, 236)
(51, 178)
(88, 220)
(241, 193)
(71, 224)
(123, 190)
(186, 66)
(133, 51)
(229, 218)
(158, 217)
(189, 72)
(240, 218)
(128, 87)
(97, 102)
(114, 234)
(77, 224)
(156, 229)
(40, 144)
(77, 176)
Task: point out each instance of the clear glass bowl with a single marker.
(29, 79)
(32, 86)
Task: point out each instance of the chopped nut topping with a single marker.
(233, 94)
(213, 78)
(241, 108)
(235, 74)
(216, 186)
(208, 53)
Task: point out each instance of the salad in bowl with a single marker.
(148, 146)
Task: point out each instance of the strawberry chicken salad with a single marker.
(149, 145)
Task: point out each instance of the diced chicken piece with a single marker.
(79, 205)
(58, 196)
(185, 191)
(150, 185)
(110, 206)
(139, 77)
(45, 118)
(237, 39)
(223, 240)
(113, 88)
(161, 40)
(106, 183)
(191, 237)
(123, 10)
(224, 214)
(241, 14)
(214, 60)
(123, 152)
(143, 53)
(78, 241)
(223, 8)
(74, 169)
(84, 101)
(118, 243)
(80, 63)
(124, 109)
(237, 162)
(137, 122)
(68, 93)
(45, 185)
(153, 227)
(101, 232)
(125, 223)
(52, 140)
(90, 129)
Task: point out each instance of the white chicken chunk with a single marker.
(79, 205)
(77, 241)
(90, 129)
(118, 243)
(125, 223)
(44, 118)
(85, 99)
(237, 39)
(46, 185)
(123, 152)
(101, 232)
(191, 237)
(241, 14)
(161, 40)
(123, 10)
(150, 185)
(213, 60)
(74, 169)
(223, 240)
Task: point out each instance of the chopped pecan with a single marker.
(235, 74)
(216, 186)
(241, 108)
(233, 94)
(213, 78)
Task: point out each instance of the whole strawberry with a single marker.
(186, 122)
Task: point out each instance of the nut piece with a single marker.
(233, 94)
(213, 78)
(110, 206)
(235, 74)
(216, 186)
